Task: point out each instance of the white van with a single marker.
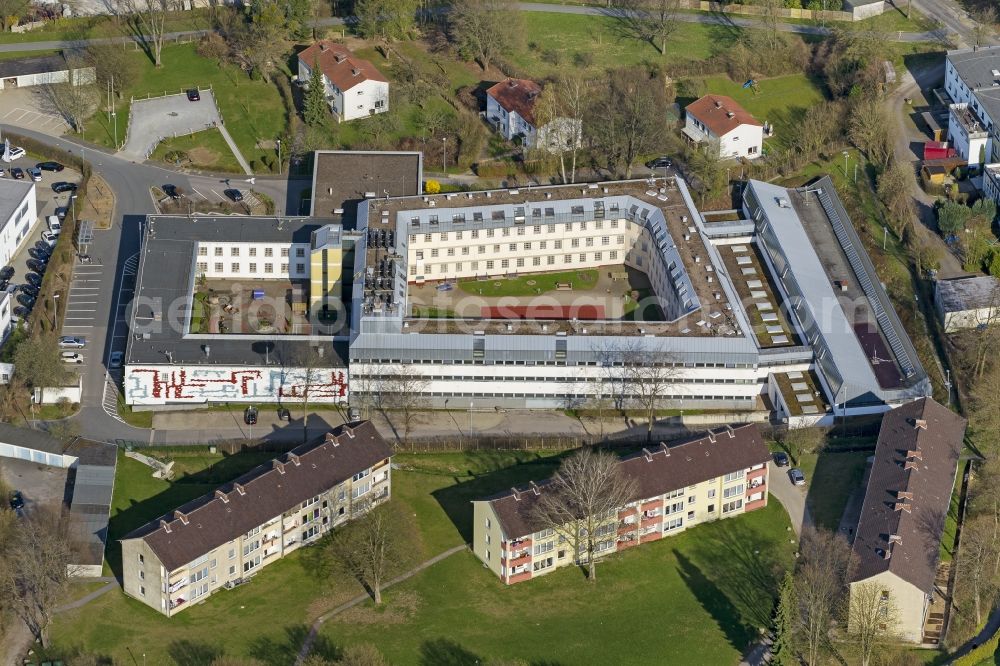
(54, 225)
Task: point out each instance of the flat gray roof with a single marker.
(33, 65)
(169, 241)
(12, 193)
(967, 293)
(342, 178)
(975, 67)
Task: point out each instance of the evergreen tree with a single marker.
(315, 108)
(784, 624)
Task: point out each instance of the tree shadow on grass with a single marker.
(714, 601)
(277, 651)
(456, 500)
(193, 653)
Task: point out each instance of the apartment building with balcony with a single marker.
(972, 94)
(223, 538)
(720, 474)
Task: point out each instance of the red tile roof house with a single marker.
(720, 120)
(720, 474)
(354, 87)
(510, 110)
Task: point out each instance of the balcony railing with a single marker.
(174, 603)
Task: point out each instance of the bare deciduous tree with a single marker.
(560, 110)
(802, 440)
(582, 498)
(975, 564)
(626, 117)
(34, 573)
(367, 546)
(871, 619)
(401, 388)
(894, 186)
(651, 20)
(75, 103)
(148, 22)
(485, 30)
(821, 580)
(871, 131)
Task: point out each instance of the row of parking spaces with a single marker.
(44, 122)
(119, 337)
(79, 312)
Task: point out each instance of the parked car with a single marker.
(19, 313)
(17, 172)
(61, 212)
(3, 173)
(27, 300)
(35, 174)
(33, 278)
(30, 290)
(250, 415)
(16, 500)
(38, 253)
(781, 459)
(37, 265)
(72, 342)
(284, 414)
(50, 238)
(50, 166)
(797, 477)
(233, 194)
(63, 186)
(72, 357)
(16, 153)
(171, 191)
(116, 359)
(193, 95)
(660, 163)
(6, 273)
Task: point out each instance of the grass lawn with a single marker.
(530, 285)
(556, 41)
(205, 150)
(133, 418)
(267, 619)
(833, 477)
(252, 110)
(781, 101)
(102, 26)
(708, 590)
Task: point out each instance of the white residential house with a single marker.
(510, 110)
(719, 120)
(355, 88)
(18, 216)
(972, 87)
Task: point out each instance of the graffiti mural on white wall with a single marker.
(157, 385)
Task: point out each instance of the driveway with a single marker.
(792, 497)
(152, 120)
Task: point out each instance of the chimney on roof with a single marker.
(278, 465)
(904, 494)
(902, 506)
(730, 114)
(920, 424)
(915, 454)
(516, 493)
(240, 489)
(647, 454)
(355, 71)
(165, 525)
(718, 104)
(222, 496)
(534, 488)
(294, 459)
(910, 464)
(350, 431)
(886, 553)
(179, 515)
(895, 538)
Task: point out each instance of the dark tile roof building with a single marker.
(717, 474)
(258, 514)
(906, 503)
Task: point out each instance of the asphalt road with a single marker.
(944, 10)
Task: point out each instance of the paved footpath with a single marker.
(314, 629)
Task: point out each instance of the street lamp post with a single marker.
(55, 298)
(845, 163)
(444, 153)
(280, 165)
(470, 418)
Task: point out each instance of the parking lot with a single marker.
(153, 120)
(28, 107)
(40, 485)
